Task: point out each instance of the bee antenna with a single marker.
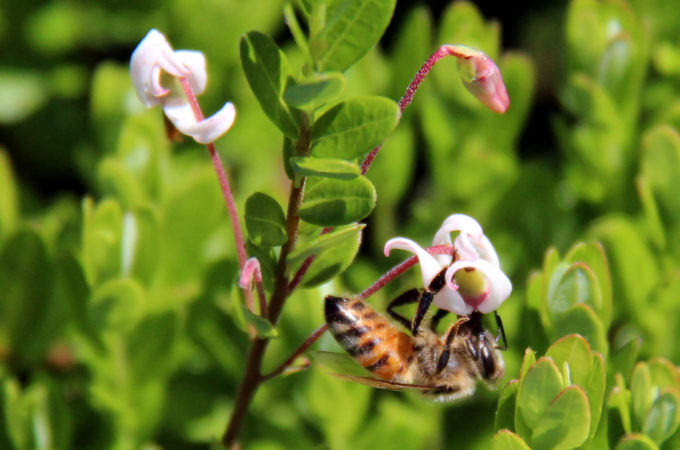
(501, 332)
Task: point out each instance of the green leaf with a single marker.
(660, 166)
(325, 167)
(537, 390)
(595, 388)
(575, 351)
(566, 423)
(333, 256)
(351, 29)
(117, 305)
(623, 359)
(102, 228)
(330, 202)
(265, 221)
(315, 90)
(636, 441)
(268, 73)
(117, 181)
(25, 278)
(264, 328)
(642, 393)
(528, 361)
(577, 285)
(582, 320)
(664, 374)
(21, 93)
(505, 411)
(316, 245)
(507, 440)
(9, 200)
(594, 256)
(150, 346)
(663, 416)
(354, 127)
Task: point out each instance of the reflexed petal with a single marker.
(429, 267)
(195, 62)
(152, 53)
(500, 286)
(206, 131)
(487, 252)
(467, 227)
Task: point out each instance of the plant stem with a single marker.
(252, 377)
(300, 350)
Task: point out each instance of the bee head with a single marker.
(482, 348)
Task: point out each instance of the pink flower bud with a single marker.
(481, 77)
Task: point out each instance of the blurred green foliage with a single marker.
(121, 323)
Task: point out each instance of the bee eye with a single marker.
(488, 363)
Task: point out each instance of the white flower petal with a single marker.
(429, 267)
(152, 53)
(487, 252)
(468, 227)
(500, 286)
(194, 61)
(206, 131)
(450, 300)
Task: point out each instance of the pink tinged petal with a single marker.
(250, 272)
(206, 131)
(498, 289)
(429, 267)
(481, 77)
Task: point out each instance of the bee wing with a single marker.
(344, 367)
(339, 363)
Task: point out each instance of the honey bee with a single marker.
(443, 367)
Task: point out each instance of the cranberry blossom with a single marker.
(474, 279)
(153, 65)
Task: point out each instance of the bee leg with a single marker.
(410, 296)
(439, 315)
(423, 305)
(450, 334)
(426, 298)
(501, 332)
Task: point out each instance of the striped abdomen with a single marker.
(371, 339)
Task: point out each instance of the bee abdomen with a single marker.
(368, 337)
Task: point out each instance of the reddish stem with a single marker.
(401, 268)
(226, 189)
(408, 96)
(300, 350)
(305, 266)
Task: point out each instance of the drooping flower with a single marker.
(153, 65)
(474, 279)
(481, 77)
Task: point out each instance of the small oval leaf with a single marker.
(537, 390)
(566, 423)
(265, 221)
(330, 202)
(507, 440)
(268, 73)
(354, 127)
(351, 29)
(324, 167)
(315, 90)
